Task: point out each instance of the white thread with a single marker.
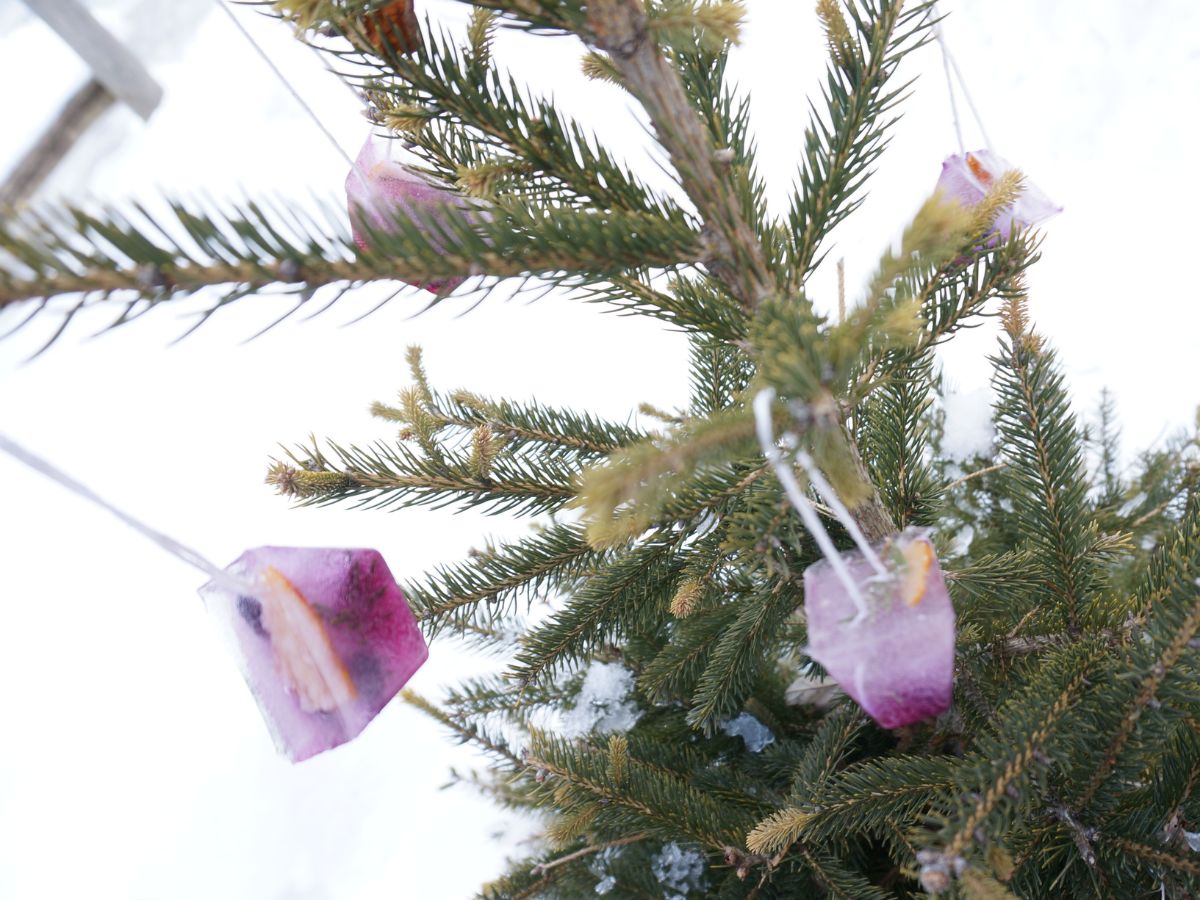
(948, 64)
(962, 82)
(358, 95)
(172, 546)
(839, 510)
(354, 167)
(766, 437)
(937, 32)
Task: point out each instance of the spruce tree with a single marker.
(659, 711)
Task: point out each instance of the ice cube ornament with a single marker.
(380, 191)
(891, 648)
(967, 178)
(324, 639)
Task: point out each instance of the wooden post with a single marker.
(76, 117)
(112, 63)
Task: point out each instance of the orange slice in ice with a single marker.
(309, 665)
(918, 557)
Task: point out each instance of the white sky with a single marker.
(135, 764)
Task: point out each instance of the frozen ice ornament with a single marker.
(324, 639)
(967, 178)
(379, 190)
(879, 620)
(891, 648)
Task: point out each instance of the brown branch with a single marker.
(976, 474)
(543, 868)
(735, 254)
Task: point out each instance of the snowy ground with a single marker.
(135, 765)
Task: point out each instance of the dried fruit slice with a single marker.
(306, 659)
(324, 639)
(918, 557)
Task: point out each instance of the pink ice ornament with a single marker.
(324, 639)
(380, 191)
(967, 177)
(892, 650)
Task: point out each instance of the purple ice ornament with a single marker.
(324, 639)
(967, 178)
(879, 619)
(380, 191)
(885, 633)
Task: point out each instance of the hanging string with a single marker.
(766, 437)
(987, 141)
(841, 513)
(291, 89)
(941, 39)
(172, 546)
(949, 64)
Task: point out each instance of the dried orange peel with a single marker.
(918, 558)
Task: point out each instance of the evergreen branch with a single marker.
(693, 304)
(888, 318)
(687, 22)
(971, 476)
(894, 427)
(978, 885)
(480, 697)
(793, 357)
(627, 595)
(674, 670)
(826, 753)
(627, 494)
(385, 476)
(997, 592)
(132, 257)
(521, 884)
(471, 733)
(718, 373)
(531, 423)
(1024, 729)
(1153, 855)
(1180, 634)
(499, 120)
(735, 253)
(837, 879)
(1045, 464)
(667, 803)
(739, 654)
(838, 155)
(951, 296)
(449, 595)
(872, 795)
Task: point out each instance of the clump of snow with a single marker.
(599, 867)
(967, 430)
(680, 870)
(603, 703)
(962, 540)
(755, 734)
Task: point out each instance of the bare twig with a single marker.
(976, 474)
(542, 868)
